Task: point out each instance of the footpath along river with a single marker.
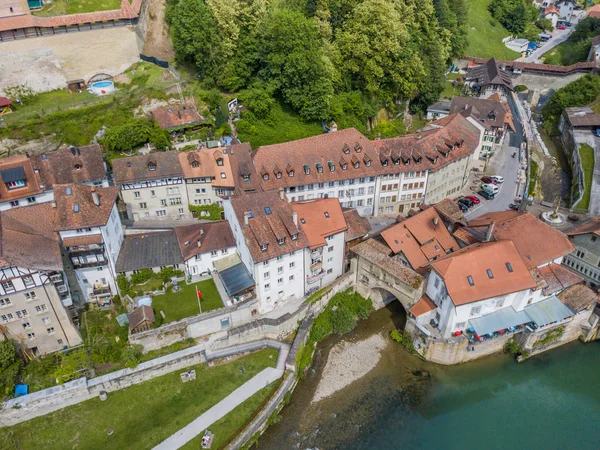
(551, 401)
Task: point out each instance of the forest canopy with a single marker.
(312, 53)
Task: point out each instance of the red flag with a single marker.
(198, 293)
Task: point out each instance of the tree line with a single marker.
(313, 54)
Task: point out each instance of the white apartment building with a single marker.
(152, 186)
(271, 245)
(203, 244)
(91, 235)
(324, 225)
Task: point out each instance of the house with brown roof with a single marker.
(21, 184)
(152, 186)
(325, 227)
(489, 78)
(585, 258)
(141, 319)
(204, 243)
(177, 117)
(358, 230)
(271, 244)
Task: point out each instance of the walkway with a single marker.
(229, 403)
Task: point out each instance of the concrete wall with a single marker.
(544, 82)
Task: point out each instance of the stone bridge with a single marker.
(540, 82)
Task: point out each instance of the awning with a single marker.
(236, 279)
(499, 320)
(548, 311)
(14, 174)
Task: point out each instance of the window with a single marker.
(163, 202)
(280, 270)
(280, 257)
(329, 271)
(136, 194)
(181, 211)
(7, 286)
(330, 259)
(279, 281)
(475, 311)
(460, 325)
(31, 336)
(490, 274)
(143, 205)
(291, 278)
(161, 212)
(500, 303)
(198, 257)
(14, 203)
(265, 263)
(436, 283)
(223, 251)
(267, 286)
(508, 267)
(214, 253)
(151, 166)
(15, 184)
(264, 247)
(41, 308)
(50, 330)
(266, 275)
(330, 249)
(175, 201)
(5, 302)
(26, 326)
(292, 265)
(59, 341)
(470, 280)
(330, 238)
(281, 241)
(219, 161)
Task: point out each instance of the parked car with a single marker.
(486, 195)
(488, 180)
(561, 27)
(497, 178)
(465, 201)
(474, 199)
(513, 206)
(491, 188)
(462, 207)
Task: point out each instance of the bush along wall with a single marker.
(208, 212)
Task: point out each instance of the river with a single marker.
(550, 401)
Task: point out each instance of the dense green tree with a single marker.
(515, 15)
(451, 16)
(294, 63)
(9, 367)
(134, 134)
(258, 99)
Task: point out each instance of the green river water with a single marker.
(551, 401)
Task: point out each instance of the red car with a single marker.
(489, 180)
(561, 27)
(474, 199)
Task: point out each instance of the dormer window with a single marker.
(368, 163)
(344, 166)
(151, 166)
(385, 163)
(13, 178)
(278, 175)
(281, 241)
(331, 166)
(294, 236)
(195, 164)
(219, 161)
(277, 172)
(306, 169)
(264, 247)
(266, 176)
(77, 166)
(357, 148)
(319, 167)
(290, 170)
(346, 149)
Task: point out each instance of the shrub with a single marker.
(167, 273)
(208, 212)
(342, 320)
(132, 355)
(142, 276)
(405, 339)
(134, 134)
(124, 285)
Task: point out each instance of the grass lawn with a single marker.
(450, 91)
(226, 426)
(62, 7)
(282, 125)
(178, 305)
(586, 153)
(533, 177)
(568, 53)
(148, 286)
(485, 33)
(141, 416)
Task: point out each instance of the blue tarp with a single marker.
(532, 45)
(236, 279)
(499, 320)
(21, 389)
(548, 311)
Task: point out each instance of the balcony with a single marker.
(101, 290)
(85, 265)
(86, 251)
(316, 265)
(316, 254)
(315, 276)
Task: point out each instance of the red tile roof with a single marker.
(474, 261)
(272, 219)
(551, 10)
(140, 315)
(82, 240)
(204, 237)
(203, 164)
(177, 116)
(358, 226)
(423, 305)
(420, 239)
(578, 297)
(73, 165)
(75, 207)
(557, 277)
(591, 227)
(33, 181)
(320, 219)
(137, 168)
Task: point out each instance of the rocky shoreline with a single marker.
(347, 363)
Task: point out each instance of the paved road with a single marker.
(503, 164)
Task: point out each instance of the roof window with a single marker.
(346, 149)
(265, 176)
(327, 214)
(68, 191)
(294, 236)
(319, 167)
(267, 210)
(306, 169)
(490, 274)
(508, 267)
(44, 157)
(331, 166)
(195, 164)
(128, 163)
(302, 221)
(250, 215)
(264, 247)
(219, 161)
(470, 280)
(357, 148)
(76, 208)
(281, 241)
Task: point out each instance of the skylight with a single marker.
(470, 280)
(508, 267)
(267, 210)
(302, 220)
(327, 214)
(490, 274)
(68, 191)
(250, 214)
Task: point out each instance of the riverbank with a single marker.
(349, 362)
(551, 400)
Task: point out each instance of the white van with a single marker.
(491, 188)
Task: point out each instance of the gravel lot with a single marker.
(46, 63)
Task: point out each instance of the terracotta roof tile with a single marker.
(466, 276)
(319, 219)
(378, 254)
(76, 241)
(76, 165)
(211, 237)
(423, 305)
(578, 297)
(75, 207)
(420, 239)
(557, 278)
(33, 181)
(592, 226)
(137, 168)
(463, 235)
(357, 226)
(177, 116)
(272, 219)
(488, 112)
(203, 164)
(140, 315)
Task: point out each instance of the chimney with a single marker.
(295, 218)
(436, 220)
(53, 203)
(246, 218)
(96, 198)
(490, 232)
(201, 231)
(281, 193)
(199, 243)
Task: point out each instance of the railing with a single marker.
(102, 290)
(313, 278)
(316, 265)
(86, 251)
(89, 264)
